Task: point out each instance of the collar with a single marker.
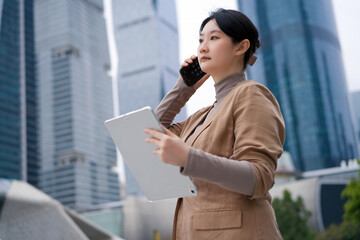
(223, 87)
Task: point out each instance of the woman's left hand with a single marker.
(171, 149)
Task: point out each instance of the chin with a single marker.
(205, 68)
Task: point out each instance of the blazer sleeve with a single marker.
(259, 134)
(171, 105)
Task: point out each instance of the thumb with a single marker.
(168, 132)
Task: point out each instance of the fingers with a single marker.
(156, 152)
(170, 148)
(157, 137)
(154, 133)
(154, 141)
(160, 139)
(188, 61)
(158, 134)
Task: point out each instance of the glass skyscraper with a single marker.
(75, 98)
(301, 63)
(18, 142)
(355, 100)
(147, 43)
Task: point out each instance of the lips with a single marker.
(204, 58)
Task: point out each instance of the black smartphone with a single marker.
(192, 73)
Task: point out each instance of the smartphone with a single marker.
(192, 73)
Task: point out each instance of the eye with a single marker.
(213, 37)
(200, 40)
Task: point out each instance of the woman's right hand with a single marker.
(202, 80)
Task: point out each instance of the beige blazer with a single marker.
(247, 126)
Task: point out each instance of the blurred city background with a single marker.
(66, 66)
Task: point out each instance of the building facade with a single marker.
(18, 142)
(75, 98)
(355, 100)
(300, 62)
(146, 36)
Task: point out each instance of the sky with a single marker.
(190, 14)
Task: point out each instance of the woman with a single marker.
(229, 149)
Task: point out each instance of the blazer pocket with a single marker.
(217, 220)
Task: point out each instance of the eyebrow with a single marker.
(201, 34)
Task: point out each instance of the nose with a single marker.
(203, 48)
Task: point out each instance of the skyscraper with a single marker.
(300, 61)
(75, 98)
(355, 100)
(18, 142)
(146, 37)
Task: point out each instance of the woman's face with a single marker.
(216, 52)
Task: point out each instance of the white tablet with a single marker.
(156, 179)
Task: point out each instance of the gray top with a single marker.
(237, 176)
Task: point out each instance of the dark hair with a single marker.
(238, 26)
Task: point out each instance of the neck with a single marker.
(234, 67)
(218, 77)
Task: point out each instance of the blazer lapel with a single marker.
(196, 123)
(192, 136)
(197, 133)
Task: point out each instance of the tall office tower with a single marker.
(301, 63)
(75, 98)
(147, 43)
(355, 100)
(18, 143)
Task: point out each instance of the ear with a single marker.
(242, 47)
